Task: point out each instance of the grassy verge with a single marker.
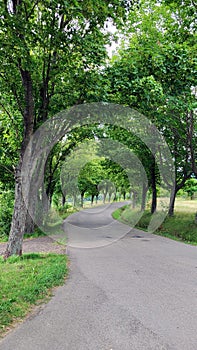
(26, 281)
(180, 227)
(65, 213)
(117, 214)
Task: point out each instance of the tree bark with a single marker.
(92, 199)
(15, 242)
(14, 246)
(172, 202)
(104, 197)
(82, 198)
(191, 141)
(153, 187)
(134, 199)
(74, 200)
(63, 199)
(144, 194)
(29, 224)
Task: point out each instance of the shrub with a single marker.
(6, 210)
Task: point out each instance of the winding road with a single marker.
(127, 290)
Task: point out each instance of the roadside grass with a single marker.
(66, 213)
(181, 226)
(27, 281)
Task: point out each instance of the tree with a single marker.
(43, 45)
(190, 187)
(90, 178)
(152, 73)
(192, 138)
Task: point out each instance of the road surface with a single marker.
(130, 291)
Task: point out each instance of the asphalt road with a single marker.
(133, 291)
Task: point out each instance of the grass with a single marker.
(180, 227)
(26, 281)
(37, 233)
(65, 213)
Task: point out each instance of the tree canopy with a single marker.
(54, 56)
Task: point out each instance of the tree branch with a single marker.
(8, 170)
(32, 10)
(10, 116)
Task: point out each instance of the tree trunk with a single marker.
(29, 224)
(144, 193)
(134, 199)
(191, 140)
(15, 242)
(92, 199)
(153, 187)
(63, 199)
(154, 200)
(82, 196)
(74, 200)
(172, 202)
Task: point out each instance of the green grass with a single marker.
(180, 227)
(118, 213)
(65, 213)
(26, 281)
(37, 233)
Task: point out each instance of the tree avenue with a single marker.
(43, 44)
(54, 56)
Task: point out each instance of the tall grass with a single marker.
(181, 226)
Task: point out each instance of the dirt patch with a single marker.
(39, 245)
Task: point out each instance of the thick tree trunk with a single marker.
(15, 242)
